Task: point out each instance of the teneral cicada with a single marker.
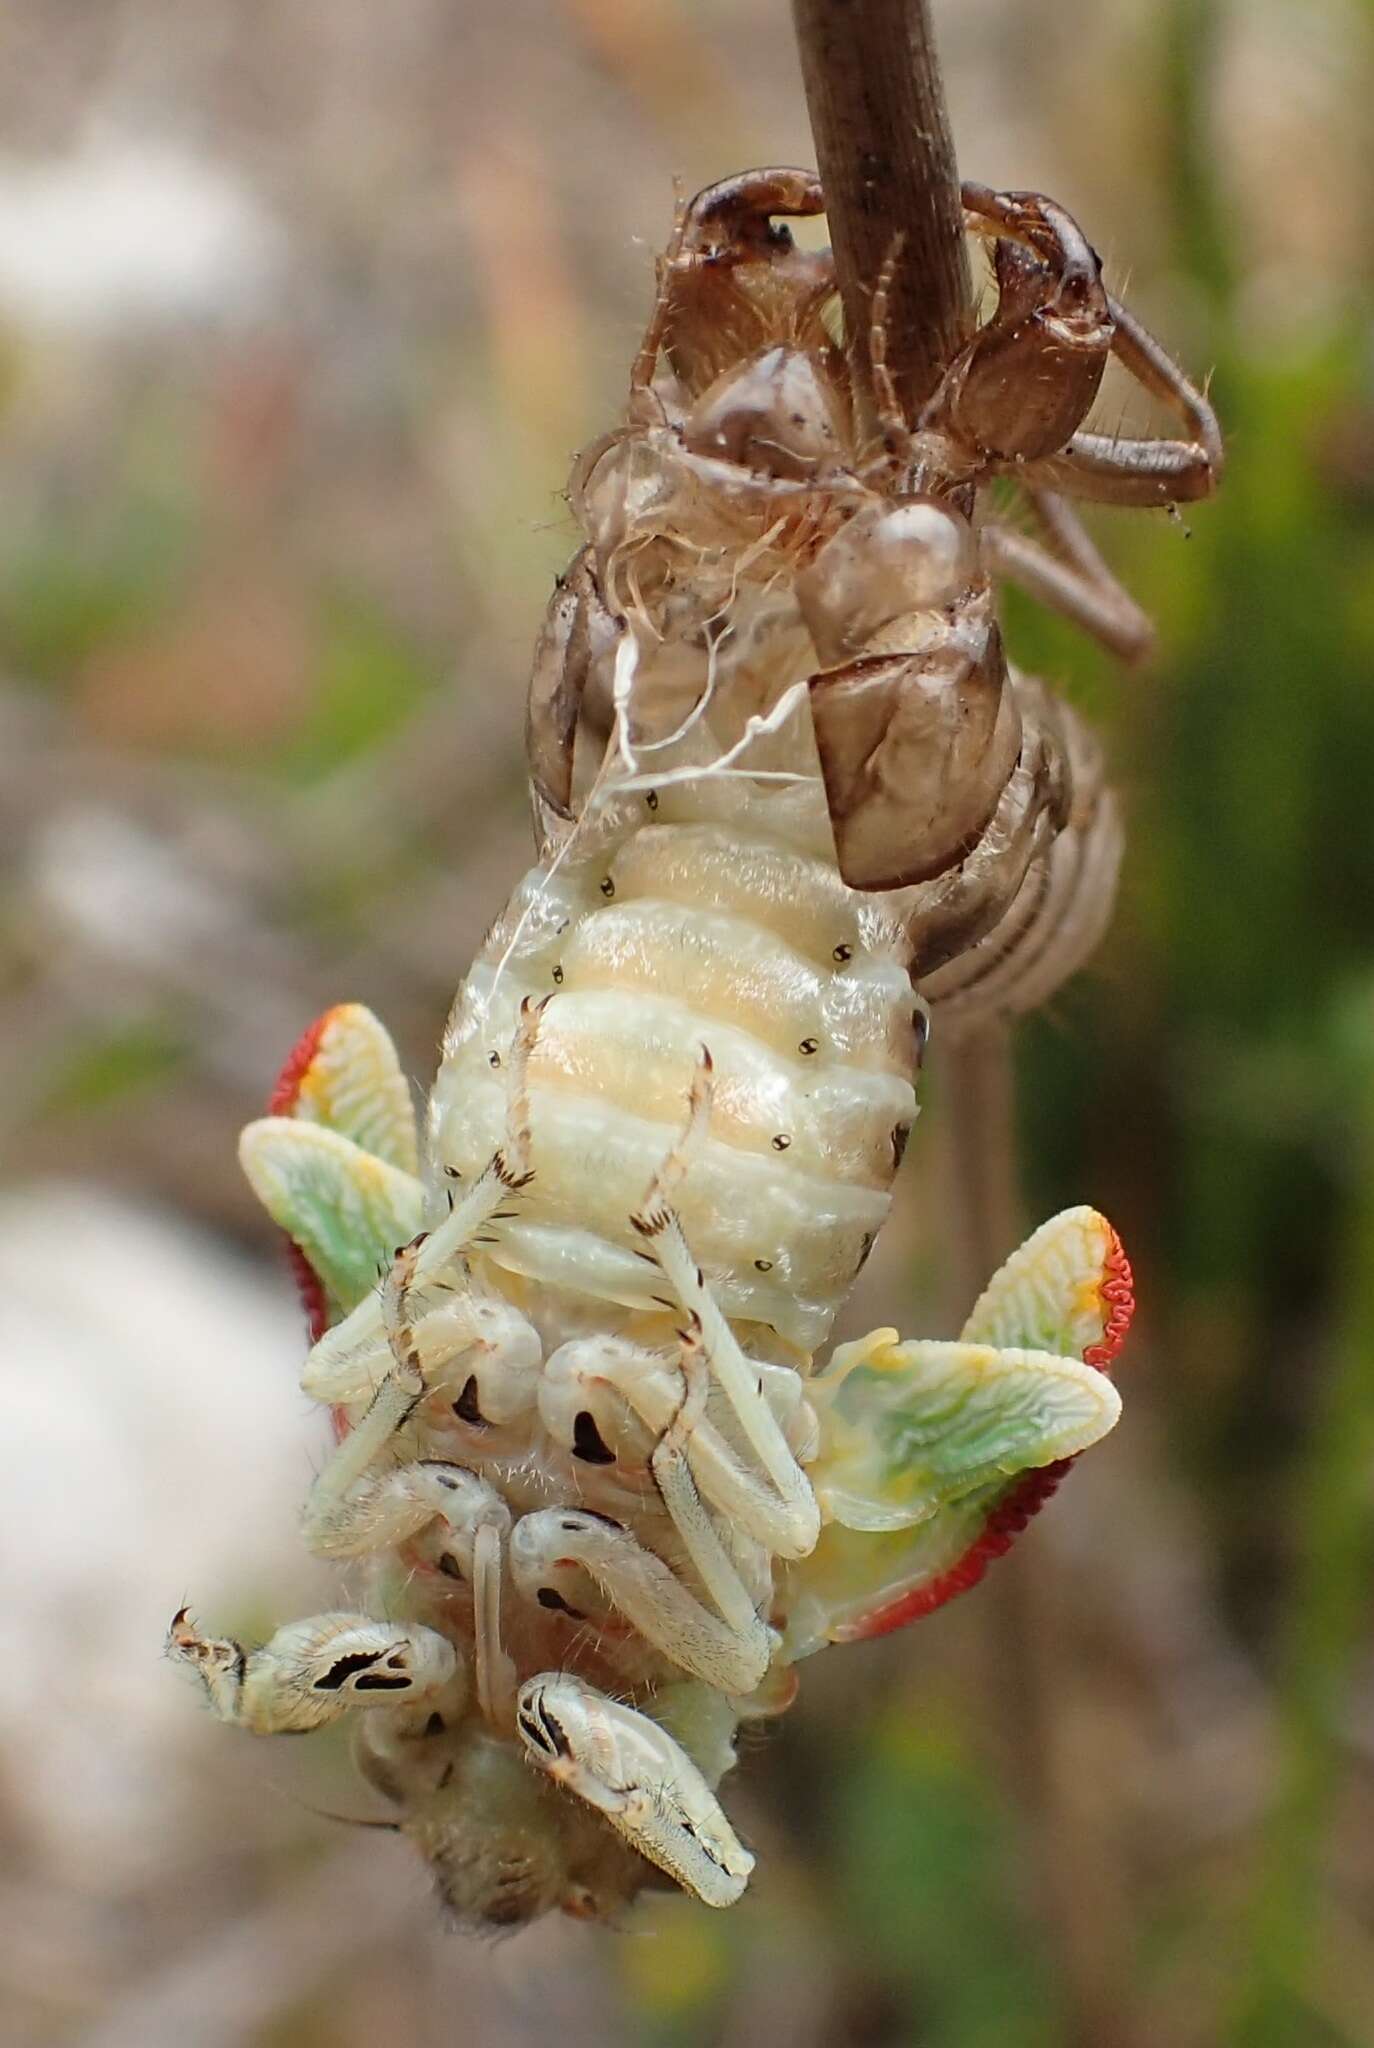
(785, 789)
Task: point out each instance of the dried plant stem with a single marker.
(978, 1094)
(1037, 1708)
(886, 159)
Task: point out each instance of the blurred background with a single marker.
(304, 309)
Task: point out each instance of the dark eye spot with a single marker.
(339, 1673)
(588, 1442)
(554, 1601)
(842, 953)
(585, 1515)
(652, 799)
(920, 1024)
(450, 1567)
(558, 975)
(763, 1265)
(808, 1046)
(493, 1059)
(607, 886)
(542, 1731)
(900, 1134)
(466, 1408)
(781, 1142)
(435, 1725)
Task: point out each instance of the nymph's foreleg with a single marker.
(1114, 470)
(633, 1772)
(313, 1671)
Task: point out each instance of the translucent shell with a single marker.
(889, 563)
(774, 413)
(934, 1456)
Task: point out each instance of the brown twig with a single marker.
(886, 159)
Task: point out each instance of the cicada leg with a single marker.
(670, 1463)
(671, 1406)
(615, 1403)
(361, 1503)
(1070, 576)
(560, 1556)
(1114, 470)
(313, 1671)
(795, 1516)
(634, 1773)
(342, 1366)
(894, 432)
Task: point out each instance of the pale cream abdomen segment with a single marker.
(640, 1054)
(747, 1218)
(708, 867)
(726, 967)
(799, 991)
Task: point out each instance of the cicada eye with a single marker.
(772, 414)
(886, 563)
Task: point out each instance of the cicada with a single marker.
(605, 1487)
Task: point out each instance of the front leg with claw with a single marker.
(1013, 401)
(313, 1671)
(634, 1773)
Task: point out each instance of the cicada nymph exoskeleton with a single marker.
(786, 788)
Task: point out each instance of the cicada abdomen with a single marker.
(785, 786)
